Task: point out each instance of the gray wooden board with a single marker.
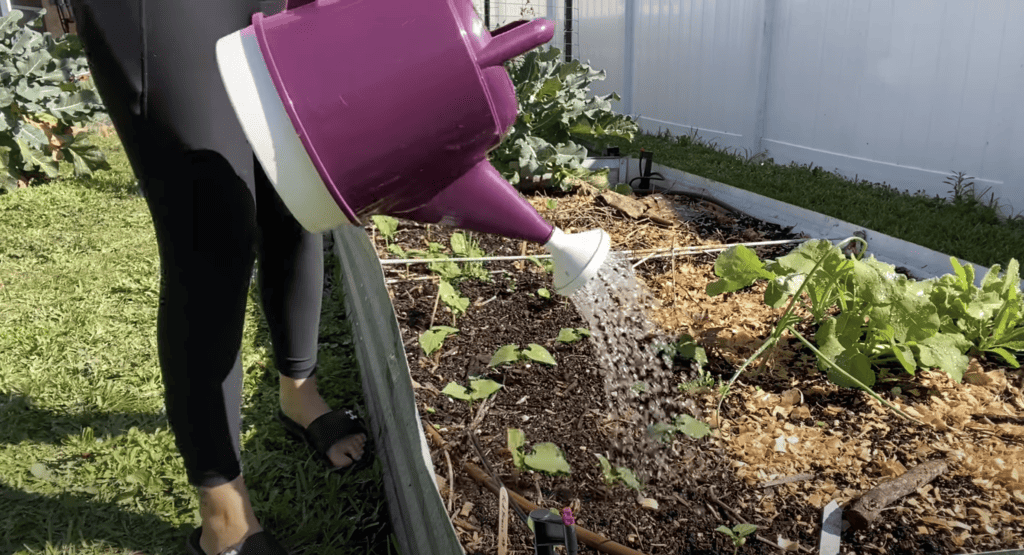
(417, 511)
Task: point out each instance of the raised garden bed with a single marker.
(788, 442)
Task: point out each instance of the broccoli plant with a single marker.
(42, 97)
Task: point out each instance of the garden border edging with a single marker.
(922, 262)
(415, 508)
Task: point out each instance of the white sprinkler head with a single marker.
(577, 257)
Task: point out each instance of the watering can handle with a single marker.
(292, 4)
(517, 39)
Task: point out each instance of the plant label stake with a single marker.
(550, 530)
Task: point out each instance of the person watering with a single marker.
(215, 213)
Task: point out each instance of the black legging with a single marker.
(215, 212)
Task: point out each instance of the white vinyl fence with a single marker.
(900, 91)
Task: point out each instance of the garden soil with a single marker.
(786, 443)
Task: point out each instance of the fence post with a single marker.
(5, 7)
(629, 59)
(763, 74)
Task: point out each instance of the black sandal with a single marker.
(328, 429)
(260, 543)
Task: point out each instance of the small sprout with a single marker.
(432, 339)
(543, 293)
(539, 354)
(478, 389)
(552, 204)
(738, 534)
(569, 335)
(618, 474)
(504, 355)
(545, 457)
(387, 225)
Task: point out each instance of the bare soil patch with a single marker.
(787, 443)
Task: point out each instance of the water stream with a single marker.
(639, 381)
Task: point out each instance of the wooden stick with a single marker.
(503, 522)
(866, 509)
(587, 537)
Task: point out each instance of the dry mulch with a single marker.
(787, 443)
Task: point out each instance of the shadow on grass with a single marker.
(24, 421)
(28, 521)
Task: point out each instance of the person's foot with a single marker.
(301, 401)
(227, 516)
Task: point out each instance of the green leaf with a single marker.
(568, 335)
(544, 293)
(432, 339)
(726, 530)
(539, 354)
(1007, 356)
(692, 427)
(459, 244)
(504, 355)
(387, 226)
(85, 156)
(945, 352)
(478, 389)
(738, 267)
(606, 469)
(548, 458)
(516, 440)
(856, 364)
(743, 530)
(780, 289)
(628, 477)
(451, 297)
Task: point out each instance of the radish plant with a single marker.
(544, 457)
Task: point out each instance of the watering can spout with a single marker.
(481, 200)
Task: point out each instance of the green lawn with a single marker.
(88, 464)
(967, 229)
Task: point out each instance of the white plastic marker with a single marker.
(831, 527)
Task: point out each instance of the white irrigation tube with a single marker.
(659, 252)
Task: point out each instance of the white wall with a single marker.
(901, 91)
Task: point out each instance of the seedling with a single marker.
(738, 534)
(452, 299)
(683, 424)
(432, 339)
(618, 474)
(545, 457)
(511, 353)
(479, 388)
(552, 204)
(387, 226)
(543, 293)
(570, 335)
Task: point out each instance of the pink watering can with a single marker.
(357, 108)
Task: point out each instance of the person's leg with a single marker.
(200, 196)
(290, 277)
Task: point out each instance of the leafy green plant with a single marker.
(432, 339)
(614, 474)
(511, 353)
(738, 534)
(570, 335)
(991, 317)
(554, 107)
(41, 99)
(452, 298)
(544, 457)
(684, 348)
(883, 317)
(479, 388)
